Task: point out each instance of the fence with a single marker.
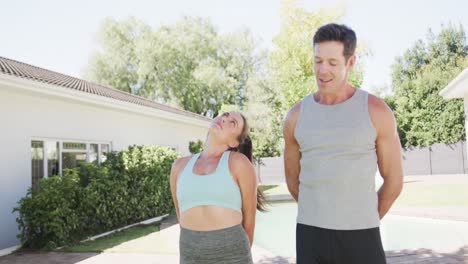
(437, 159)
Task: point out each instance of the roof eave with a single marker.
(84, 97)
(457, 88)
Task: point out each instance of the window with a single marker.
(72, 160)
(93, 153)
(74, 146)
(103, 152)
(37, 161)
(51, 157)
(73, 154)
(52, 149)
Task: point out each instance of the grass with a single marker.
(279, 190)
(416, 194)
(101, 244)
(433, 195)
(275, 189)
(265, 188)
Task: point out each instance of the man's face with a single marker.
(331, 67)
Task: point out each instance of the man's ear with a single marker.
(351, 61)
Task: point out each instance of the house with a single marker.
(50, 121)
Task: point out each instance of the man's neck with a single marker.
(333, 98)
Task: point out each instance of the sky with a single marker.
(61, 35)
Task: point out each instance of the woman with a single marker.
(215, 195)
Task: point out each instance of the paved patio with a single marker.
(162, 248)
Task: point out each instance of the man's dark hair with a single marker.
(341, 33)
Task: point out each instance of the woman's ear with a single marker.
(234, 144)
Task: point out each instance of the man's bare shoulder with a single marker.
(290, 120)
(294, 110)
(377, 105)
(380, 113)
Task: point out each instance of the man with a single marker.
(335, 139)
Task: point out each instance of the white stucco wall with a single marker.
(25, 115)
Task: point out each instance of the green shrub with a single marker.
(104, 202)
(148, 171)
(48, 215)
(132, 185)
(196, 146)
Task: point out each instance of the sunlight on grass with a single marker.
(280, 189)
(421, 194)
(426, 195)
(265, 188)
(101, 244)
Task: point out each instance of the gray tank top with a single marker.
(338, 164)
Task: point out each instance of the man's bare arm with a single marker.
(292, 154)
(388, 153)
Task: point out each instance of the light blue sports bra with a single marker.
(217, 188)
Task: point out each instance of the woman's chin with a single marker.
(212, 128)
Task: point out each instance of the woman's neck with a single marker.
(212, 149)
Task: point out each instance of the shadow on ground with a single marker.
(428, 256)
(275, 260)
(45, 258)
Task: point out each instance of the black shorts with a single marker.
(316, 245)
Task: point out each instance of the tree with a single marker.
(117, 63)
(261, 117)
(290, 71)
(291, 63)
(424, 117)
(189, 64)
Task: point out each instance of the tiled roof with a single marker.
(26, 71)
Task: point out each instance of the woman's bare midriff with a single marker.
(207, 218)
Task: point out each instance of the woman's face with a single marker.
(227, 127)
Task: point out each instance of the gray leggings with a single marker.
(228, 246)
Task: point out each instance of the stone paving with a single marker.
(162, 247)
(144, 251)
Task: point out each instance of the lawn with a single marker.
(433, 195)
(110, 241)
(422, 194)
(415, 194)
(275, 189)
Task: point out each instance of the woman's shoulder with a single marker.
(238, 157)
(179, 164)
(239, 161)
